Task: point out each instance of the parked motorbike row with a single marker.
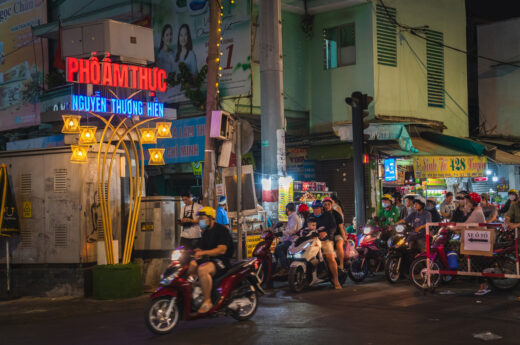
(376, 249)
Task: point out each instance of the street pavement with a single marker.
(371, 313)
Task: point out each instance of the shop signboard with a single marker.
(9, 222)
(186, 144)
(285, 196)
(22, 62)
(390, 172)
(181, 33)
(449, 166)
(503, 187)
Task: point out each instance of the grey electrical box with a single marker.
(156, 224)
(126, 42)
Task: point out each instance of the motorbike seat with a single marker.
(236, 267)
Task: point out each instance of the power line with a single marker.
(413, 31)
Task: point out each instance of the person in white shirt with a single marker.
(294, 224)
(191, 233)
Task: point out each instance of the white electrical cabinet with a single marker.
(58, 206)
(130, 43)
(156, 224)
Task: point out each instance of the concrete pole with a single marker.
(208, 184)
(238, 157)
(272, 103)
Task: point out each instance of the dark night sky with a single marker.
(485, 11)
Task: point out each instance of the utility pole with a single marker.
(208, 184)
(359, 103)
(238, 158)
(272, 109)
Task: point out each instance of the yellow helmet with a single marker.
(387, 197)
(512, 191)
(208, 211)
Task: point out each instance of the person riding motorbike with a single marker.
(294, 224)
(475, 214)
(512, 197)
(431, 204)
(418, 219)
(339, 236)
(459, 215)
(389, 214)
(303, 212)
(212, 254)
(326, 221)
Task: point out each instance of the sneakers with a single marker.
(482, 292)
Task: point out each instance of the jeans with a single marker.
(281, 253)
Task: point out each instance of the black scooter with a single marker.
(399, 256)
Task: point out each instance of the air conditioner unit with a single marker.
(125, 42)
(220, 125)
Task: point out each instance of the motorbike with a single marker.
(179, 296)
(371, 246)
(399, 256)
(308, 266)
(264, 255)
(502, 262)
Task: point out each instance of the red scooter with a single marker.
(372, 248)
(263, 254)
(179, 297)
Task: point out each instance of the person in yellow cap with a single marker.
(212, 255)
(388, 214)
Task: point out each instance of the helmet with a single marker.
(513, 191)
(303, 208)
(327, 199)
(432, 200)
(387, 197)
(208, 211)
(311, 219)
(419, 200)
(317, 203)
(475, 197)
(222, 200)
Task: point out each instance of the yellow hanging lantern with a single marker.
(156, 156)
(87, 135)
(70, 124)
(148, 135)
(79, 154)
(164, 130)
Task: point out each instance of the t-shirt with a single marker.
(403, 211)
(418, 219)
(447, 207)
(458, 216)
(476, 216)
(489, 211)
(215, 236)
(190, 211)
(338, 218)
(326, 220)
(294, 224)
(388, 217)
(436, 217)
(222, 217)
(514, 213)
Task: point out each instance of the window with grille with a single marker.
(26, 183)
(60, 181)
(386, 36)
(435, 68)
(339, 46)
(61, 236)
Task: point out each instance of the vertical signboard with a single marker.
(22, 62)
(181, 34)
(390, 171)
(285, 196)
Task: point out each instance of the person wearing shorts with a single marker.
(339, 236)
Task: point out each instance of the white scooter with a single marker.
(308, 266)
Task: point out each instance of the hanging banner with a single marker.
(181, 34)
(449, 166)
(285, 196)
(23, 60)
(8, 213)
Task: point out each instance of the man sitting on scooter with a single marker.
(388, 214)
(212, 255)
(326, 221)
(418, 219)
(294, 223)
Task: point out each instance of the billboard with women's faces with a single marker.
(181, 33)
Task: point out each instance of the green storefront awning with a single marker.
(330, 152)
(460, 144)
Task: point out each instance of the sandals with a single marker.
(205, 307)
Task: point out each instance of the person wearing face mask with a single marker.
(459, 215)
(418, 220)
(389, 214)
(212, 254)
(431, 204)
(512, 198)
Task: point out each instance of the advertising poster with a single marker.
(181, 33)
(285, 196)
(22, 62)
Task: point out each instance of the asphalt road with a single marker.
(370, 313)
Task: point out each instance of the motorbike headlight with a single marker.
(166, 280)
(399, 228)
(176, 255)
(401, 242)
(367, 230)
